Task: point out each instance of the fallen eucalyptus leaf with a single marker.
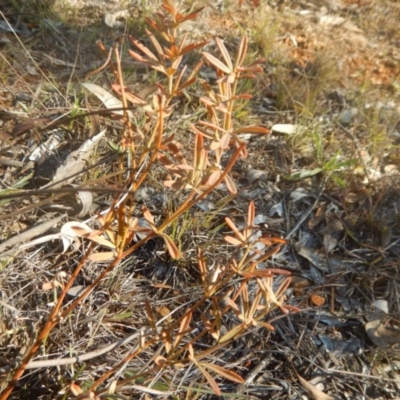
(332, 234)
(316, 393)
(381, 305)
(276, 209)
(377, 330)
(70, 231)
(86, 199)
(300, 193)
(319, 259)
(108, 99)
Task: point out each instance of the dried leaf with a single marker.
(233, 333)
(160, 361)
(232, 240)
(216, 63)
(46, 148)
(144, 49)
(242, 51)
(330, 243)
(288, 129)
(86, 199)
(106, 98)
(171, 246)
(253, 175)
(93, 235)
(150, 316)
(317, 300)
(277, 209)
(183, 329)
(230, 184)
(226, 373)
(262, 273)
(156, 44)
(31, 70)
(210, 380)
(319, 216)
(155, 392)
(300, 193)
(224, 52)
(192, 15)
(136, 100)
(76, 389)
(378, 331)
(148, 216)
(234, 228)
(314, 391)
(266, 325)
(316, 257)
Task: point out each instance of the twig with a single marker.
(259, 368)
(72, 360)
(29, 234)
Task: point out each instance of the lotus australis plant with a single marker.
(237, 294)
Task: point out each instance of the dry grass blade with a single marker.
(232, 376)
(210, 379)
(217, 63)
